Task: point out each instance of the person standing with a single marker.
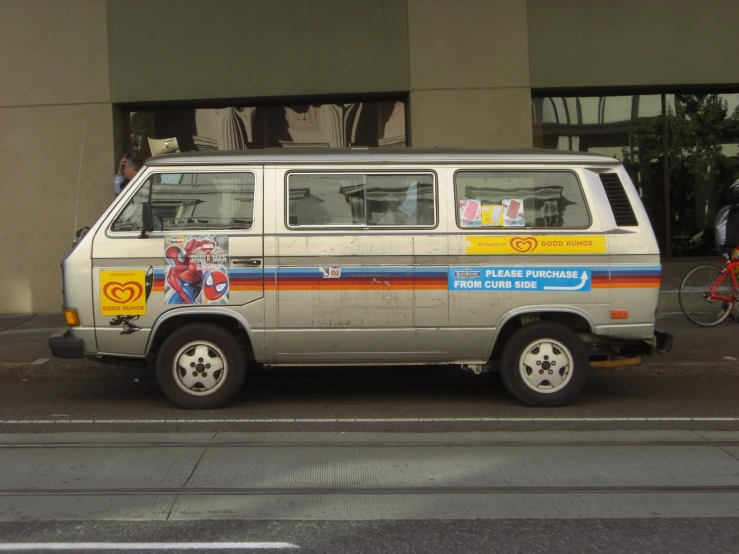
(127, 168)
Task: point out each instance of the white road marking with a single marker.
(40, 361)
(363, 420)
(77, 546)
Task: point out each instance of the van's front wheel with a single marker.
(201, 366)
(545, 364)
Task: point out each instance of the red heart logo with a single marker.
(524, 244)
(123, 293)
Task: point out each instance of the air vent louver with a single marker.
(620, 205)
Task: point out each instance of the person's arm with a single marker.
(120, 178)
(118, 181)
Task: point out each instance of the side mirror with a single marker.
(147, 217)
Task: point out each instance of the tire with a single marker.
(694, 299)
(202, 347)
(529, 365)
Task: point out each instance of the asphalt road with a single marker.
(371, 460)
(375, 394)
(655, 536)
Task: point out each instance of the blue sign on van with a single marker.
(542, 279)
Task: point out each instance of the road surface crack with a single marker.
(187, 480)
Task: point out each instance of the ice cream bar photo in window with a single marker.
(514, 208)
(470, 211)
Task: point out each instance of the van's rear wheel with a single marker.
(545, 364)
(201, 366)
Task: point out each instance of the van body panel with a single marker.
(87, 334)
(124, 261)
(362, 291)
(245, 316)
(77, 290)
(433, 292)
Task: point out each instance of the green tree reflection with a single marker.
(702, 164)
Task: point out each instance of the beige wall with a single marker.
(469, 73)
(587, 43)
(54, 67)
(471, 118)
(53, 52)
(193, 49)
(468, 65)
(40, 156)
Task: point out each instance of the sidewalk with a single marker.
(696, 350)
(672, 275)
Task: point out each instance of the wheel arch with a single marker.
(179, 317)
(573, 318)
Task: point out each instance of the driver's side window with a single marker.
(193, 201)
(131, 218)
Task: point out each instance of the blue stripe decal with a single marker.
(347, 272)
(637, 269)
(244, 272)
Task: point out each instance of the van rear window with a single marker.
(487, 199)
(361, 200)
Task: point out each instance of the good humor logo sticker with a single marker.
(541, 279)
(122, 292)
(536, 244)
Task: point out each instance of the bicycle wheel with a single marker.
(695, 296)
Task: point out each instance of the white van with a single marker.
(540, 264)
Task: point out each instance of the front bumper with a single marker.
(63, 345)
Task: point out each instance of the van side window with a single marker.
(520, 199)
(193, 201)
(361, 199)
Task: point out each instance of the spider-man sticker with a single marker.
(197, 269)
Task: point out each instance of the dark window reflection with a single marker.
(373, 123)
(625, 127)
(703, 137)
(703, 131)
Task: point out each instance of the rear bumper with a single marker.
(662, 342)
(63, 345)
(611, 349)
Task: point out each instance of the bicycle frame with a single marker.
(729, 268)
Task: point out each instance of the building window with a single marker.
(315, 125)
(701, 148)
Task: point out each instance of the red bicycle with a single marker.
(708, 293)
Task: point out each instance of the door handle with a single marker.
(241, 261)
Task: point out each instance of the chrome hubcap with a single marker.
(199, 368)
(546, 366)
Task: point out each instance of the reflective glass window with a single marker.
(193, 201)
(489, 199)
(361, 199)
(244, 127)
(627, 127)
(703, 163)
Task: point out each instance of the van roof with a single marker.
(380, 155)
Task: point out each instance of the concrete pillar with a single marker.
(469, 73)
(55, 95)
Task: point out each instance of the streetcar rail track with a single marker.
(322, 491)
(364, 444)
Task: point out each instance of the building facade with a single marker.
(652, 82)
